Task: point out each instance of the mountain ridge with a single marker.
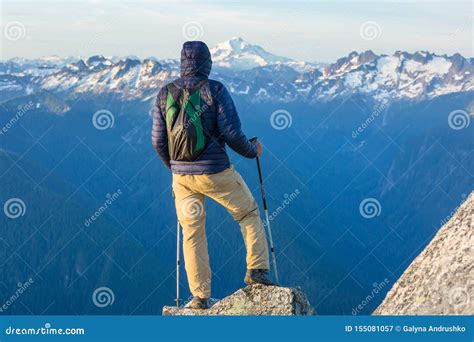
(430, 161)
(249, 70)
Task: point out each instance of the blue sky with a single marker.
(303, 30)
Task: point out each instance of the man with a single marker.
(194, 119)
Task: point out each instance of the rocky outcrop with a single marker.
(440, 281)
(254, 300)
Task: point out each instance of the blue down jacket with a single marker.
(220, 120)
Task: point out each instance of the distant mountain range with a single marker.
(250, 70)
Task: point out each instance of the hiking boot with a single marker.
(259, 276)
(198, 304)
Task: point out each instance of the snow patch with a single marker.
(387, 69)
(353, 79)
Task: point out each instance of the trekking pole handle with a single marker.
(260, 178)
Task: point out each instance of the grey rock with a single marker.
(440, 281)
(254, 300)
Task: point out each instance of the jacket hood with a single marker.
(195, 59)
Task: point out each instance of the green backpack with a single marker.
(186, 137)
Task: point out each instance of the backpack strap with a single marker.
(172, 105)
(194, 111)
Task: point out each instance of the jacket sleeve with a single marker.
(229, 125)
(159, 135)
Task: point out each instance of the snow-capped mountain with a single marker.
(402, 75)
(238, 54)
(39, 66)
(249, 70)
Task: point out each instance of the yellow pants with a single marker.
(229, 189)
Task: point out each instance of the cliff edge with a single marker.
(440, 281)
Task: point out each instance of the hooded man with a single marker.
(194, 119)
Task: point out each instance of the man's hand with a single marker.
(259, 147)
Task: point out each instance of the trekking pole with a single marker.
(265, 209)
(178, 262)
